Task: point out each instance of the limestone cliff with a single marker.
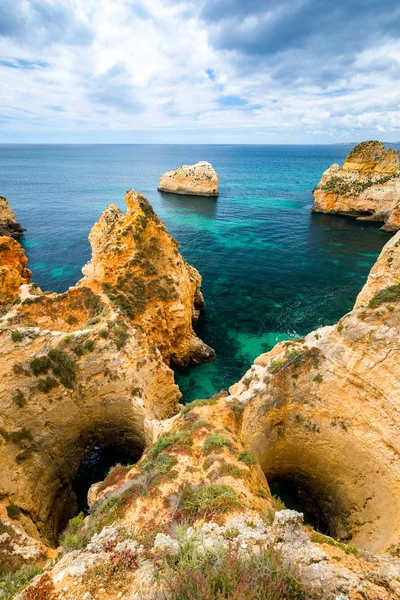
(196, 180)
(90, 366)
(198, 501)
(136, 265)
(322, 414)
(8, 223)
(13, 271)
(367, 186)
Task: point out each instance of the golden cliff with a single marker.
(196, 180)
(91, 365)
(8, 224)
(319, 414)
(13, 271)
(367, 186)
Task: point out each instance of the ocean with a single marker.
(271, 269)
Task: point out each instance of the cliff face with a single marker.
(137, 266)
(197, 496)
(90, 366)
(8, 223)
(367, 186)
(323, 414)
(197, 180)
(13, 271)
(319, 414)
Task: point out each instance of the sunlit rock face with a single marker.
(197, 180)
(8, 223)
(91, 366)
(367, 186)
(13, 271)
(322, 413)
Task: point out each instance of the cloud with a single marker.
(263, 71)
(42, 22)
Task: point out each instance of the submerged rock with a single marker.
(8, 223)
(367, 186)
(196, 180)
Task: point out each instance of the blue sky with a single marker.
(203, 71)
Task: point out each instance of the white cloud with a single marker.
(125, 66)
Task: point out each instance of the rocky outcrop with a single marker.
(13, 271)
(200, 473)
(90, 366)
(367, 186)
(322, 414)
(319, 415)
(8, 223)
(196, 180)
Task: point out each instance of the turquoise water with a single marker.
(271, 270)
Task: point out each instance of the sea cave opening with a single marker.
(95, 463)
(96, 467)
(297, 495)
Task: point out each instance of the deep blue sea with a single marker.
(271, 269)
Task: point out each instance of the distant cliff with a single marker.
(8, 224)
(367, 186)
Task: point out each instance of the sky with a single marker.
(201, 71)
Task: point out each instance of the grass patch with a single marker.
(73, 537)
(248, 458)
(215, 441)
(229, 574)
(13, 511)
(206, 500)
(389, 294)
(319, 538)
(199, 403)
(13, 583)
(16, 336)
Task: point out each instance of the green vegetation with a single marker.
(226, 469)
(73, 537)
(319, 538)
(290, 357)
(206, 500)
(198, 403)
(343, 187)
(40, 365)
(13, 583)
(13, 511)
(16, 336)
(62, 366)
(47, 384)
(247, 457)
(215, 441)
(19, 398)
(229, 574)
(389, 294)
(179, 439)
(318, 378)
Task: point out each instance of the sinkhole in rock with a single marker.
(298, 496)
(96, 467)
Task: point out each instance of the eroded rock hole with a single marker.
(96, 467)
(296, 495)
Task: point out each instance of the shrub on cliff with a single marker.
(229, 574)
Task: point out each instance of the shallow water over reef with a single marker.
(271, 270)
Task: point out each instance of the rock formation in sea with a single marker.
(8, 223)
(319, 415)
(367, 186)
(196, 180)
